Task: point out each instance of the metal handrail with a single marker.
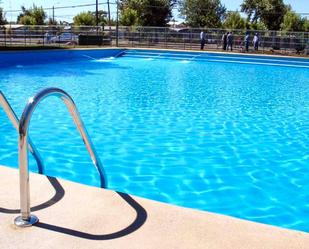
(13, 118)
(26, 219)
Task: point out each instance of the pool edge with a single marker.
(160, 49)
(90, 217)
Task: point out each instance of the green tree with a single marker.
(293, 22)
(270, 12)
(27, 20)
(50, 21)
(257, 26)
(2, 17)
(129, 17)
(101, 17)
(306, 25)
(84, 19)
(146, 12)
(202, 13)
(234, 20)
(32, 16)
(89, 18)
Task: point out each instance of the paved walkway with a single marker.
(77, 216)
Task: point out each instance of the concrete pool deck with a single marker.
(78, 216)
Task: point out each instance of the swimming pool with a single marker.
(227, 134)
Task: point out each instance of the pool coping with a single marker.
(162, 49)
(76, 216)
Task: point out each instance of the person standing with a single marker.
(203, 39)
(224, 41)
(47, 37)
(230, 40)
(247, 41)
(256, 41)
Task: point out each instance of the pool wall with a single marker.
(31, 57)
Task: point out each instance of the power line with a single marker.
(115, 3)
(62, 7)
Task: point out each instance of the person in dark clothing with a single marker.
(230, 41)
(247, 41)
(203, 39)
(224, 41)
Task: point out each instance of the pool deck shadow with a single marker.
(59, 194)
(78, 216)
(141, 216)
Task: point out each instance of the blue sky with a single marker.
(301, 6)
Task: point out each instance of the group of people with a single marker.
(228, 41)
(255, 41)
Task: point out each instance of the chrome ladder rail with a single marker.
(26, 219)
(14, 120)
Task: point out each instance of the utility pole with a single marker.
(97, 13)
(53, 10)
(53, 15)
(109, 15)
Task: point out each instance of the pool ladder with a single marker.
(26, 219)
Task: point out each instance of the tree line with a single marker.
(259, 15)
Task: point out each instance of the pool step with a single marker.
(211, 57)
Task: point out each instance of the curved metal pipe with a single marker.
(26, 219)
(13, 118)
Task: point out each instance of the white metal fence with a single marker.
(156, 37)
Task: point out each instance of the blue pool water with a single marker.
(204, 132)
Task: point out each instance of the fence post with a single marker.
(117, 30)
(87, 35)
(127, 36)
(42, 35)
(263, 44)
(303, 42)
(273, 39)
(132, 38)
(165, 37)
(139, 37)
(190, 38)
(30, 36)
(25, 39)
(4, 37)
(306, 40)
(218, 39)
(58, 33)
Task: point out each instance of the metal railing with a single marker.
(13, 118)
(26, 219)
(189, 39)
(51, 36)
(281, 42)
